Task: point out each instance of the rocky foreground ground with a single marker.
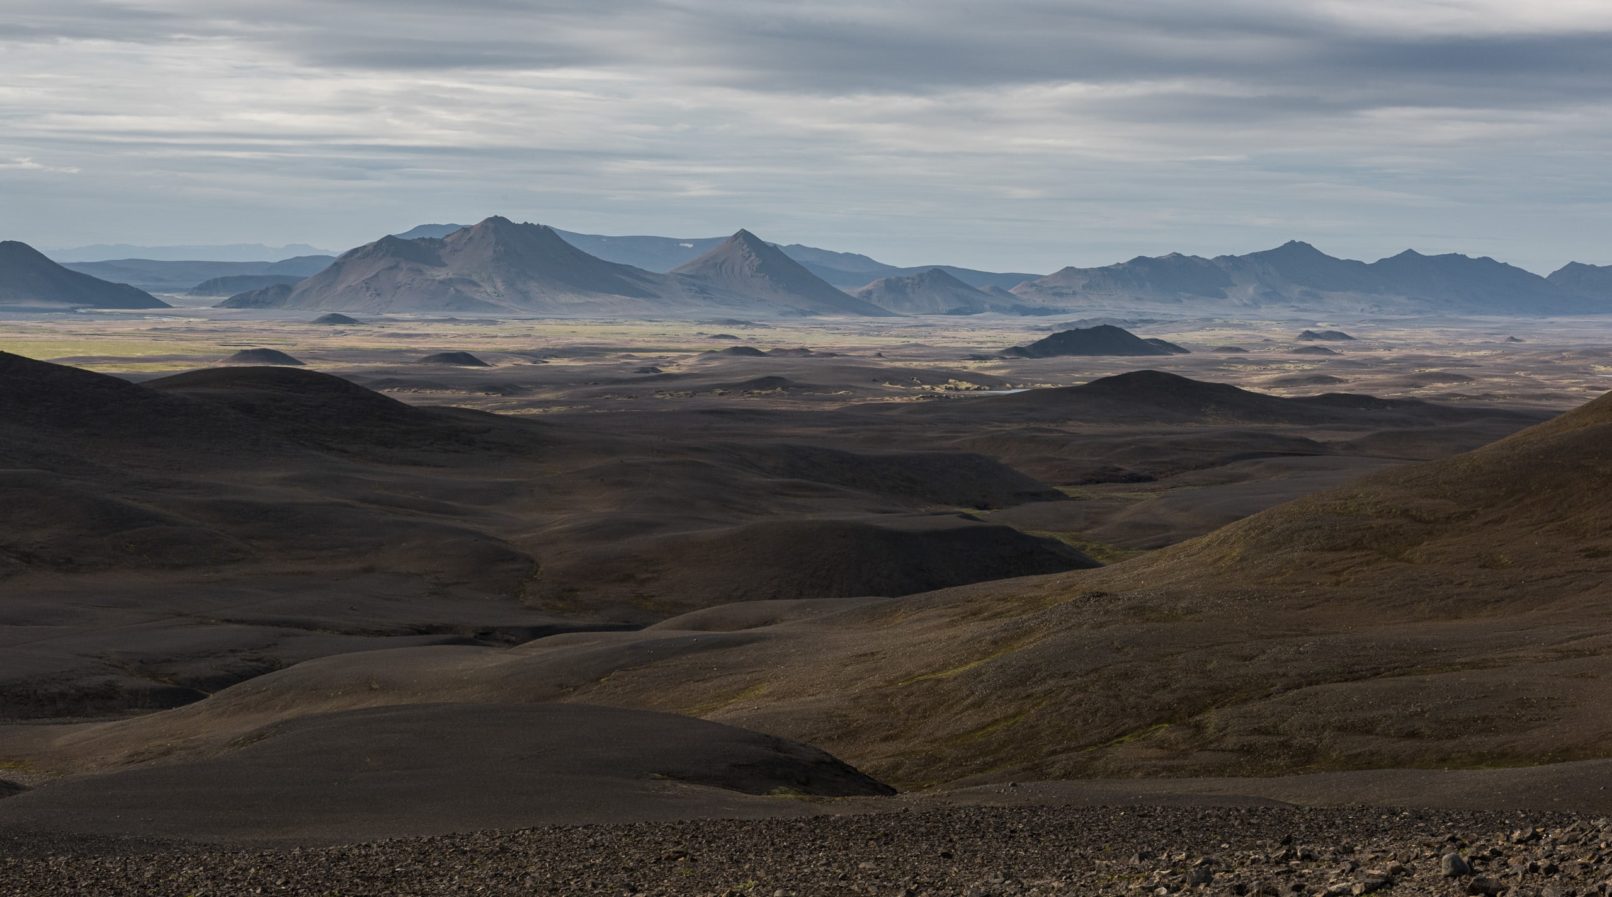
(979, 852)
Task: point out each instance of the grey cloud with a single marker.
(1064, 128)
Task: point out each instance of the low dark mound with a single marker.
(1230, 350)
(232, 284)
(1332, 336)
(1308, 380)
(456, 359)
(1155, 396)
(1104, 339)
(743, 351)
(1314, 350)
(648, 369)
(262, 356)
(765, 561)
(428, 769)
(791, 353)
(336, 318)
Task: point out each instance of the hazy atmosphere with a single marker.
(1025, 135)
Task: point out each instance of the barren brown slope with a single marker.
(168, 539)
(1449, 614)
(388, 772)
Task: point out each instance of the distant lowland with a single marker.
(504, 267)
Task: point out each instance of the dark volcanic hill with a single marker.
(745, 265)
(933, 292)
(455, 359)
(30, 280)
(262, 356)
(1104, 339)
(1298, 276)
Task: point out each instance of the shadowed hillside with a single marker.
(1450, 613)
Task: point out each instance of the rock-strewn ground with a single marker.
(980, 852)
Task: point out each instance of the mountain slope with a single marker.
(1585, 280)
(745, 265)
(30, 280)
(933, 292)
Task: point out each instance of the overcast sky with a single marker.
(1014, 134)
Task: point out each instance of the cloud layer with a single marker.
(1023, 134)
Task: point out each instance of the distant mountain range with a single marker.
(847, 270)
(228, 252)
(161, 276)
(29, 280)
(501, 266)
(545, 270)
(1297, 276)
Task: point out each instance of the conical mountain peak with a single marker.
(746, 266)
